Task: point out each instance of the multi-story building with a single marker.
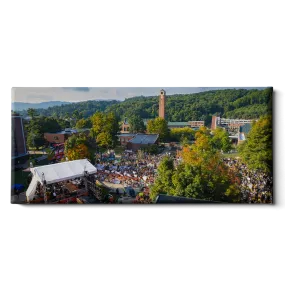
(19, 148)
(196, 124)
(231, 125)
(190, 124)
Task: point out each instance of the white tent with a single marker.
(30, 193)
(58, 172)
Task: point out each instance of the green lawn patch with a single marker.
(231, 155)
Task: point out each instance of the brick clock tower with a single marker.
(162, 99)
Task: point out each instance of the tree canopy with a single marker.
(79, 147)
(158, 126)
(31, 112)
(136, 124)
(221, 140)
(105, 127)
(202, 173)
(83, 123)
(256, 151)
(37, 127)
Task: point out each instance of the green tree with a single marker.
(35, 139)
(105, 128)
(187, 181)
(158, 126)
(184, 140)
(163, 184)
(104, 139)
(98, 122)
(83, 123)
(256, 151)
(136, 125)
(221, 140)
(63, 123)
(75, 115)
(32, 112)
(176, 134)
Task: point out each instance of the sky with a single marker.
(77, 94)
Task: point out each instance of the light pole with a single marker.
(44, 187)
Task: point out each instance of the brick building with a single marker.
(190, 124)
(125, 128)
(125, 138)
(62, 136)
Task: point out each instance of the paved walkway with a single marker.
(36, 152)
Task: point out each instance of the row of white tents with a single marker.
(58, 172)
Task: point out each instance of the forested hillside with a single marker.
(84, 109)
(230, 103)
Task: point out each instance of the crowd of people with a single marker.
(136, 170)
(255, 186)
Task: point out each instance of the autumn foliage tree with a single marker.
(79, 151)
(202, 173)
(76, 147)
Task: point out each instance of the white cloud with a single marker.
(76, 94)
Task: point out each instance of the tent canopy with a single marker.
(63, 171)
(58, 172)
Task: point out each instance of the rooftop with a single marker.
(178, 123)
(144, 139)
(69, 131)
(126, 135)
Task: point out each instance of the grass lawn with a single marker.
(119, 149)
(231, 155)
(19, 177)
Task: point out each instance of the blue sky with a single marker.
(76, 94)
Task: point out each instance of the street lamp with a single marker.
(44, 187)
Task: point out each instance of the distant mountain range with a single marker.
(20, 106)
